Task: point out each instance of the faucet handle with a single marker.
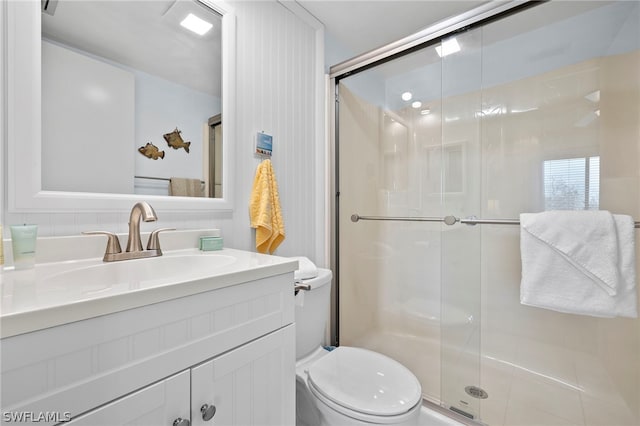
(154, 241)
(113, 243)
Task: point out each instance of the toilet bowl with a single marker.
(346, 385)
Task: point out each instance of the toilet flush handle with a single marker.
(300, 286)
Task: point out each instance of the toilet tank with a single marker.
(312, 313)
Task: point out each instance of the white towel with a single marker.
(580, 262)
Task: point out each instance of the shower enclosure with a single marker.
(496, 113)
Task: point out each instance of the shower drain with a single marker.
(476, 392)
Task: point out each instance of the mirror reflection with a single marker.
(131, 97)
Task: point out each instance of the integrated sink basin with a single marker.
(61, 292)
(140, 273)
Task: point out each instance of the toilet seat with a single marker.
(363, 384)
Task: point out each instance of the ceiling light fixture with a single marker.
(406, 96)
(425, 111)
(447, 47)
(195, 24)
(416, 104)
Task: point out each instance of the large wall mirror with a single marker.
(123, 100)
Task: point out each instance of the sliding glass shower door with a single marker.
(460, 250)
(389, 271)
(409, 148)
(538, 110)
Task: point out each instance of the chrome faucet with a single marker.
(141, 210)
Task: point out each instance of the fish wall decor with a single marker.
(151, 151)
(175, 141)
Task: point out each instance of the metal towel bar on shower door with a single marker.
(448, 220)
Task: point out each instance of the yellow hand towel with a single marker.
(264, 209)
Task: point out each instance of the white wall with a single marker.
(277, 95)
(87, 123)
(123, 110)
(162, 106)
(277, 92)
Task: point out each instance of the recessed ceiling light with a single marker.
(425, 111)
(195, 24)
(416, 104)
(406, 96)
(448, 47)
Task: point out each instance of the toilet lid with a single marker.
(365, 381)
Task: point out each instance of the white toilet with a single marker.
(346, 386)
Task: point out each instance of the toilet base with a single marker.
(306, 412)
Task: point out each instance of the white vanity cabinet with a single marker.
(232, 348)
(249, 385)
(246, 386)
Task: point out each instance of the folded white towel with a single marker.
(579, 262)
(626, 301)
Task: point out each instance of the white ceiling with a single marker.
(546, 37)
(363, 25)
(144, 35)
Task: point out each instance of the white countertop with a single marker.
(62, 292)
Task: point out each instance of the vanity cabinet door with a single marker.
(251, 385)
(160, 404)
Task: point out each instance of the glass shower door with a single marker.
(535, 111)
(460, 244)
(559, 125)
(389, 151)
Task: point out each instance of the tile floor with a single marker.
(545, 384)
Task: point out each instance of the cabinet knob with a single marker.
(208, 411)
(181, 422)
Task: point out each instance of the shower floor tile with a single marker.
(546, 361)
(523, 414)
(540, 394)
(602, 413)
